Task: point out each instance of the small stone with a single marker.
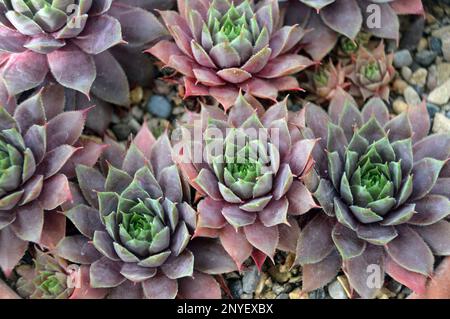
(121, 131)
(442, 32)
(236, 288)
(162, 87)
(406, 73)
(399, 86)
(134, 125)
(419, 89)
(423, 44)
(336, 290)
(247, 296)
(399, 106)
(318, 294)
(115, 118)
(441, 94)
(178, 110)
(402, 58)
(261, 284)
(414, 66)
(432, 110)
(277, 288)
(436, 45)
(411, 96)
(346, 285)
(298, 294)
(446, 48)
(426, 57)
(250, 279)
(419, 77)
(438, 11)
(430, 18)
(159, 106)
(136, 95)
(441, 124)
(137, 112)
(283, 296)
(432, 80)
(280, 277)
(443, 72)
(269, 295)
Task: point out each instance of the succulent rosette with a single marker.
(39, 146)
(326, 80)
(249, 176)
(51, 277)
(384, 189)
(223, 46)
(372, 73)
(348, 48)
(136, 225)
(70, 41)
(330, 18)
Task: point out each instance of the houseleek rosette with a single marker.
(136, 226)
(222, 46)
(372, 73)
(71, 40)
(330, 19)
(249, 176)
(51, 277)
(384, 189)
(326, 80)
(39, 144)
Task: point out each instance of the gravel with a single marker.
(250, 279)
(425, 58)
(402, 58)
(159, 106)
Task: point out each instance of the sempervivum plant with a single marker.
(326, 80)
(39, 146)
(330, 18)
(383, 185)
(372, 72)
(136, 224)
(223, 46)
(249, 176)
(51, 277)
(71, 40)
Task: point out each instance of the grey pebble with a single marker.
(432, 110)
(318, 294)
(402, 58)
(236, 288)
(122, 131)
(336, 290)
(159, 106)
(426, 57)
(250, 279)
(436, 45)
